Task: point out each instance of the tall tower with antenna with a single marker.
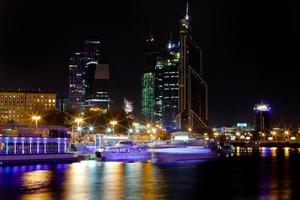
(192, 102)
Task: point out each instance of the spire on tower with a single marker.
(187, 11)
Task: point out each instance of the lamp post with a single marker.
(286, 134)
(136, 125)
(273, 133)
(36, 119)
(238, 134)
(91, 129)
(130, 131)
(154, 133)
(113, 123)
(79, 120)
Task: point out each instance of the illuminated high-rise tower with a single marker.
(166, 86)
(192, 106)
(262, 117)
(76, 80)
(78, 68)
(148, 79)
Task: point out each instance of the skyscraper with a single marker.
(97, 86)
(148, 79)
(192, 106)
(166, 86)
(82, 69)
(262, 117)
(76, 80)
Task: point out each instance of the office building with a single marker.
(262, 118)
(76, 80)
(148, 79)
(192, 106)
(17, 107)
(87, 85)
(166, 87)
(97, 86)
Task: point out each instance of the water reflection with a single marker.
(78, 184)
(258, 173)
(113, 181)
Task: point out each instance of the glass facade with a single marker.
(148, 84)
(148, 79)
(78, 67)
(192, 106)
(166, 87)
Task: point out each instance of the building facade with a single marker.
(262, 118)
(97, 86)
(84, 82)
(18, 107)
(148, 79)
(76, 80)
(148, 101)
(166, 87)
(192, 105)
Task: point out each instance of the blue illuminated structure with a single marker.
(30, 145)
(262, 117)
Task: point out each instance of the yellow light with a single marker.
(36, 117)
(114, 122)
(189, 129)
(78, 120)
(135, 124)
(154, 130)
(286, 132)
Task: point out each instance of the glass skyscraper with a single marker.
(83, 67)
(76, 80)
(148, 79)
(192, 105)
(166, 87)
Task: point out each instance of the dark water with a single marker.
(263, 174)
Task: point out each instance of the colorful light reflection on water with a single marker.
(264, 173)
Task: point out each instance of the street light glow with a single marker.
(135, 124)
(78, 120)
(36, 117)
(113, 122)
(108, 130)
(91, 128)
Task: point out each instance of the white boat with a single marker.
(125, 151)
(181, 153)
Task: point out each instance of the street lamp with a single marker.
(113, 123)
(287, 133)
(91, 129)
(130, 131)
(78, 120)
(136, 125)
(36, 119)
(108, 130)
(274, 134)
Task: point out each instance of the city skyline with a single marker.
(244, 46)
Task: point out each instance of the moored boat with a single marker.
(126, 151)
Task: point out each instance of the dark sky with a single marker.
(251, 48)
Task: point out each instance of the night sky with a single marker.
(251, 48)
